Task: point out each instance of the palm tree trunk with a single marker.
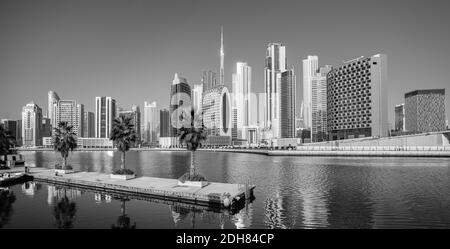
(123, 161)
(64, 162)
(192, 168)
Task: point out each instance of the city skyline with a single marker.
(54, 62)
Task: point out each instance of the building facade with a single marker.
(31, 125)
(209, 80)
(197, 96)
(287, 104)
(14, 128)
(180, 104)
(400, 118)
(72, 113)
(357, 99)
(275, 64)
(310, 67)
(241, 87)
(217, 111)
(46, 128)
(425, 110)
(105, 113)
(53, 99)
(318, 105)
(151, 123)
(164, 127)
(88, 125)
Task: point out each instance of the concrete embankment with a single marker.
(342, 153)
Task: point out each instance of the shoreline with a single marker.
(440, 151)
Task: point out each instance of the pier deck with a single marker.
(211, 194)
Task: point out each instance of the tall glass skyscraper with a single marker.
(242, 81)
(72, 113)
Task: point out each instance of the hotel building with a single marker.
(425, 110)
(357, 99)
(105, 113)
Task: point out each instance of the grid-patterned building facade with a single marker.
(425, 110)
(357, 99)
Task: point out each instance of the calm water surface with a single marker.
(291, 192)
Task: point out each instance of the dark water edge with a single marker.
(291, 192)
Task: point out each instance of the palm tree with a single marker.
(6, 141)
(193, 137)
(64, 140)
(124, 136)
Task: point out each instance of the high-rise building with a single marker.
(275, 64)
(217, 111)
(151, 123)
(242, 81)
(88, 124)
(31, 125)
(46, 128)
(180, 103)
(53, 99)
(234, 123)
(71, 112)
(105, 113)
(400, 117)
(318, 105)
(13, 126)
(288, 102)
(310, 67)
(164, 126)
(135, 115)
(357, 99)
(208, 80)
(222, 55)
(197, 94)
(217, 116)
(425, 110)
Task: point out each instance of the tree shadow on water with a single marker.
(7, 198)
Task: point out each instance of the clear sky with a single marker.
(130, 50)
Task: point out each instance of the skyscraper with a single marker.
(217, 116)
(400, 117)
(164, 126)
(242, 81)
(46, 127)
(287, 104)
(208, 80)
(105, 113)
(151, 122)
(425, 110)
(222, 55)
(135, 115)
(13, 127)
(357, 99)
(89, 124)
(197, 94)
(31, 125)
(53, 98)
(72, 113)
(180, 103)
(318, 105)
(275, 64)
(310, 67)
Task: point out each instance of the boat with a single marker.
(8, 179)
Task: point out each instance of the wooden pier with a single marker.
(223, 195)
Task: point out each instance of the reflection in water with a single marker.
(56, 193)
(101, 198)
(31, 188)
(64, 212)
(123, 222)
(291, 192)
(7, 198)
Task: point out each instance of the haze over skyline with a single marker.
(130, 50)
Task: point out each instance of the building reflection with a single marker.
(31, 188)
(102, 198)
(56, 193)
